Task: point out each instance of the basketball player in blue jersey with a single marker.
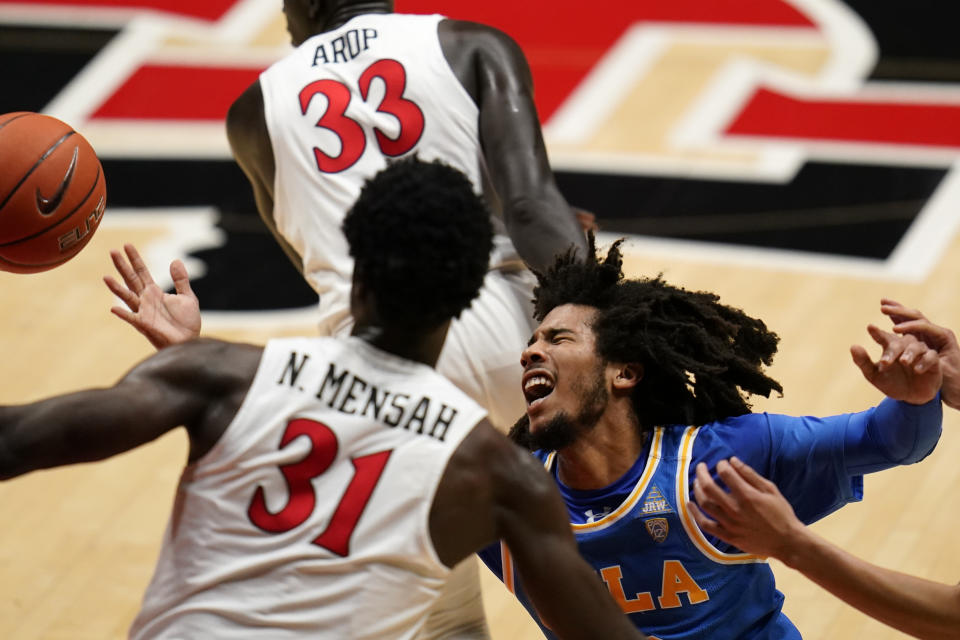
(630, 384)
(756, 517)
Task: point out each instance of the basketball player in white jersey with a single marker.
(332, 482)
(365, 84)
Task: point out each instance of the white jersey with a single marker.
(309, 517)
(336, 108)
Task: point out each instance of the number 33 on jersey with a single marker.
(352, 138)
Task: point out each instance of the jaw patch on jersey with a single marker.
(655, 502)
(811, 135)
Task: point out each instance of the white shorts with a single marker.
(481, 354)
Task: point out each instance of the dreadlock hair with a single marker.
(701, 359)
(420, 239)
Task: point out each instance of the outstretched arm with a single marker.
(832, 452)
(163, 318)
(901, 432)
(198, 385)
(494, 71)
(941, 339)
(756, 518)
(494, 490)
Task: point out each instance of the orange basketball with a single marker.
(52, 192)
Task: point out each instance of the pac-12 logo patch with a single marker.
(658, 528)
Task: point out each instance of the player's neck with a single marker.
(343, 14)
(601, 456)
(418, 346)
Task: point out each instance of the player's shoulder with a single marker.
(736, 423)
(246, 123)
(509, 468)
(736, 428)
(214, 352)
(477, 36)
(246, 108)
(203, 362)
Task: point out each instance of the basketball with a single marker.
(52, 192)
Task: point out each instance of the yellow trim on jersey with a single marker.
(506, 561)
(653, 459)
(689, 524)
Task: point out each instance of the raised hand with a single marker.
(753, 516)
(907, 370)
(941, 339)
(163, 318)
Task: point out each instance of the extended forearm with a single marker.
(84, 426)
(916, 606)
(53, 432)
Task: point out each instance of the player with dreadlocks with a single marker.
(631, 383)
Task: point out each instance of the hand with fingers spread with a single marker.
(942, 340)
(907, 370)
(163, 318)
(753, 515)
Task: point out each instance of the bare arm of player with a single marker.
(250, 142)
(199, 385)
(494, 490)
(756, 518)
(163, 318)
(943, 340)
(907, 370)
(494, 71)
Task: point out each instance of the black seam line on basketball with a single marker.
(22, 115)
(96, 181)
(46, 206)
(34, 167)
(34, 265)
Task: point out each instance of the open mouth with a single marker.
(536, 387)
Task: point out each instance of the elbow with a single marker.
(924, 447)
(906, 433)
(524, 211)
(928, 432)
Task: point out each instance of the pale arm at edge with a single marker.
(913, 605)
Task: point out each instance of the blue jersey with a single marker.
(675, 582)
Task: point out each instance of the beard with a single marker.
(563, 429)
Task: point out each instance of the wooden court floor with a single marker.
(77, 545)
